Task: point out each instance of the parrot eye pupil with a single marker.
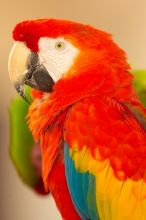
(60, 45)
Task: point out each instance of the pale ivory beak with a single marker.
(17, 66)
(25, 69)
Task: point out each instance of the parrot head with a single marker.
(48, 51)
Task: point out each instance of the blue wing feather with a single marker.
(82, 189)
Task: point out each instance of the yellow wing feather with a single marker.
(115, 199)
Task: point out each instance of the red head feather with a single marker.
(84, 35)
(98, 52)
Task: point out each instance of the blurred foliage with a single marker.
(140, 84)
(24, 152)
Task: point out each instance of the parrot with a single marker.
(87, 116)
(24, 153)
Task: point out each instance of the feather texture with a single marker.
(112, 156)
(82, 188)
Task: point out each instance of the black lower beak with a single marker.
(37, 75)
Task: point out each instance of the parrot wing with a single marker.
(105, 151)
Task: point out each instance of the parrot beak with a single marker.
(24, 69)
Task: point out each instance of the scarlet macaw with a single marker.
(87, 116)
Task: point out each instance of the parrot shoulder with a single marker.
(109, 131)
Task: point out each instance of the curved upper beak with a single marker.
(25, 69)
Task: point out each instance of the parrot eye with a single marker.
(60, 45)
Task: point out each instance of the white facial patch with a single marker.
(57, 55)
